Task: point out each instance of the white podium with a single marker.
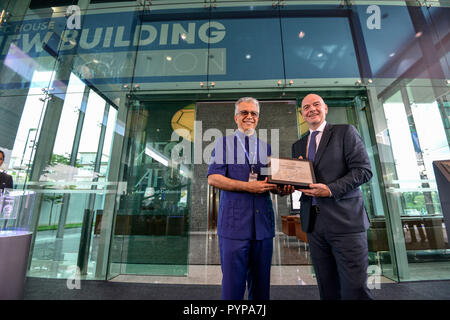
(15, 240)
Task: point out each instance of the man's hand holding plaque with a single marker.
(316, 189)
(291, 172)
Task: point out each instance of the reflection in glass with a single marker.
(414, 147)
(28, 130)
(152, 221)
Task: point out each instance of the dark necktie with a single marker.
(247, 148)
(247, 151)
(312, 153)
(312, 146)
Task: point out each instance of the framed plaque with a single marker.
(294, 172)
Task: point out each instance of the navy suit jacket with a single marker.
(242, 215)
(342, 164)
(6, 181)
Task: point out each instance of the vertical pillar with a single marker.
(86, 230)
(44, 149)
(419, 155)
(43, 155)
(394, 225)
(73, 160)
(370, 142)
(111, 199)
(359, 44)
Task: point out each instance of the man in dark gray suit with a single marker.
(332, 210)
(6, 180)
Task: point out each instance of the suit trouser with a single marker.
(340, 262)
(242, 262)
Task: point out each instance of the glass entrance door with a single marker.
(410, 149)
(167, 200)
(151, 234)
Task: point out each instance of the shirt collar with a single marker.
(242, 135)
(321, 128)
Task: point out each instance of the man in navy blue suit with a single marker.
(332, 211)
(246, 217)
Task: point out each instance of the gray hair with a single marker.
(245, 99)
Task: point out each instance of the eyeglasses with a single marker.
(245, 113)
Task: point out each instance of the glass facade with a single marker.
(109, 111)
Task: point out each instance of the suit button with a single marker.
(257, 211)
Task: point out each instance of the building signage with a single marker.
(120, 47)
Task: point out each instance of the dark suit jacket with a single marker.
(6, 181)
(342, 164)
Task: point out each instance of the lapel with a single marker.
(303, 144)
(323, 142)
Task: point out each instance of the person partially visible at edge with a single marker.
(246, 217)
(332, 210)
(6, 181)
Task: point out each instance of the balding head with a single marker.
(312, 97)
(314, 110)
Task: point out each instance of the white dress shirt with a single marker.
(318, 137)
